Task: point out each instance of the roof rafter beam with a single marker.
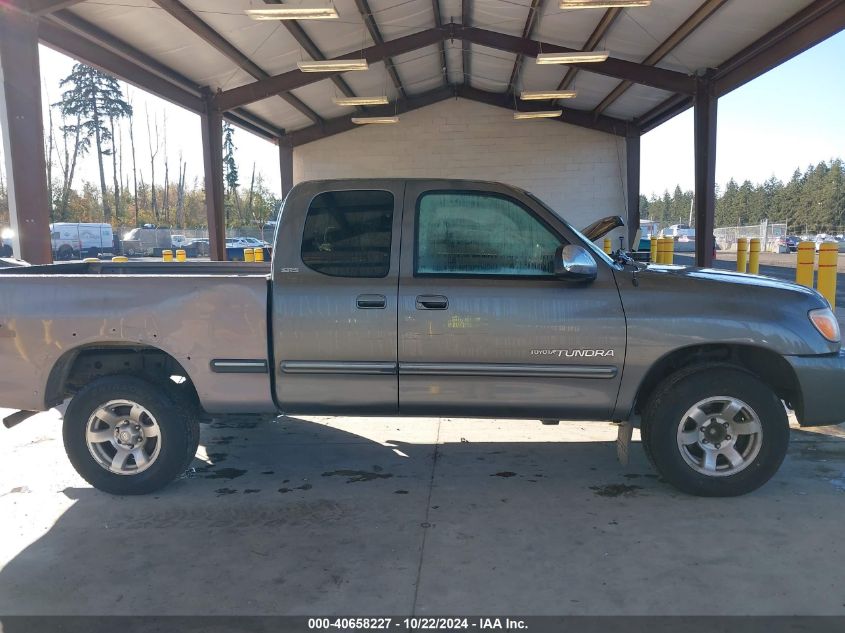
(45, 7)
(699, 17)
(344, 123)
(190, 20)
(592, 42)
(527, 31)
(581, 118)
(621, 69)
(304, 40)
(466, 60)
(82, 40)
(805, 29)
(438, 22)
(375, 34)
(249, 93)
(810, 26)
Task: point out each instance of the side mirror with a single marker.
(574, 263)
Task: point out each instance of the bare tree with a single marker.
(81, 145)
(180, 193)
(250, 215)
(115, 173)
(165, 196)
(134, 167)
(153, 154)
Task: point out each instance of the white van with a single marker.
(81, 239)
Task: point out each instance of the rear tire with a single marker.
(126, 436)
(715, 431)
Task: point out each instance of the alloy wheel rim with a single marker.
(720, 436)
(123, 437)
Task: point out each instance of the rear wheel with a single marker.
(716, 431)
(126, 436)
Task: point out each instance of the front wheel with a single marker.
(716, 431)
(127, 436)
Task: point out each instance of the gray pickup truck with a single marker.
(420, 297)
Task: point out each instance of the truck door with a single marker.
(335, 287)
(485, 328)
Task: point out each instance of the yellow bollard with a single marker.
(653, 247)
(91, 260)
(120, 258)
(180, 255)
(828, 256)
(661, 250)
(670, 250)
(754, 256)
(741, 254)
(167, 256)
(607, 246)
(259, 254)
(249, 255)
(804, 269)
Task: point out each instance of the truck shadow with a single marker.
(291, 516)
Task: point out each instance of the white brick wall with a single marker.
(578, 172)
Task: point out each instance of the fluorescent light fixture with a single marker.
(365, 120)
(540, 114)
(360, 101)
(576, 57)
(603, 4)
(301, 11)
(332, 65)
(536, 95)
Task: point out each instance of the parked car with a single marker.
(201, 246)
(384, 298)
(71, 240)
(821, 238)
(147, 240)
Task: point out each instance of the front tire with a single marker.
(716, 431)
(125, 436)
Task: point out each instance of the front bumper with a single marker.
(822, 382)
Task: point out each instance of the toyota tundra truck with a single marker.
(401, 297)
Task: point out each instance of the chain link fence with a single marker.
(767, 232)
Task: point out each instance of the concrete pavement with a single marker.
(417, 516)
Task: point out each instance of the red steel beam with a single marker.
(23, 137)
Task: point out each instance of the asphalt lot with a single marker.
(416, 516)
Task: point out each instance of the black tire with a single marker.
(644, 440)
(178, 432)
(672, 399)
(65, 253)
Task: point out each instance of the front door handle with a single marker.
(432, 302)
(371, 302)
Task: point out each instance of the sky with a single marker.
(791, 117)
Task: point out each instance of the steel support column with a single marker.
(23, 137)
(286, 165)
(212, 152)
(705, 169)
(632, 182)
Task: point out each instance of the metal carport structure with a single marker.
(664, 59)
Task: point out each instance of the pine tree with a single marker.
(230, 168)
(96, 98)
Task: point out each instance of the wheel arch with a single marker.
(764, 363)
(82, 364)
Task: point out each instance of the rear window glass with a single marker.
(348, 233)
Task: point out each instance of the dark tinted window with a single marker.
(468, 233)
(348, 233)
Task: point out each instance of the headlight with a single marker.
(825, 322)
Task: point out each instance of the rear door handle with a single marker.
(371, 302)
(432, 302)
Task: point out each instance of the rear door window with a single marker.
(349, 233)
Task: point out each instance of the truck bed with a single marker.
(169, 269)
(197, 312)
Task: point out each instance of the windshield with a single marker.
(595, 249)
